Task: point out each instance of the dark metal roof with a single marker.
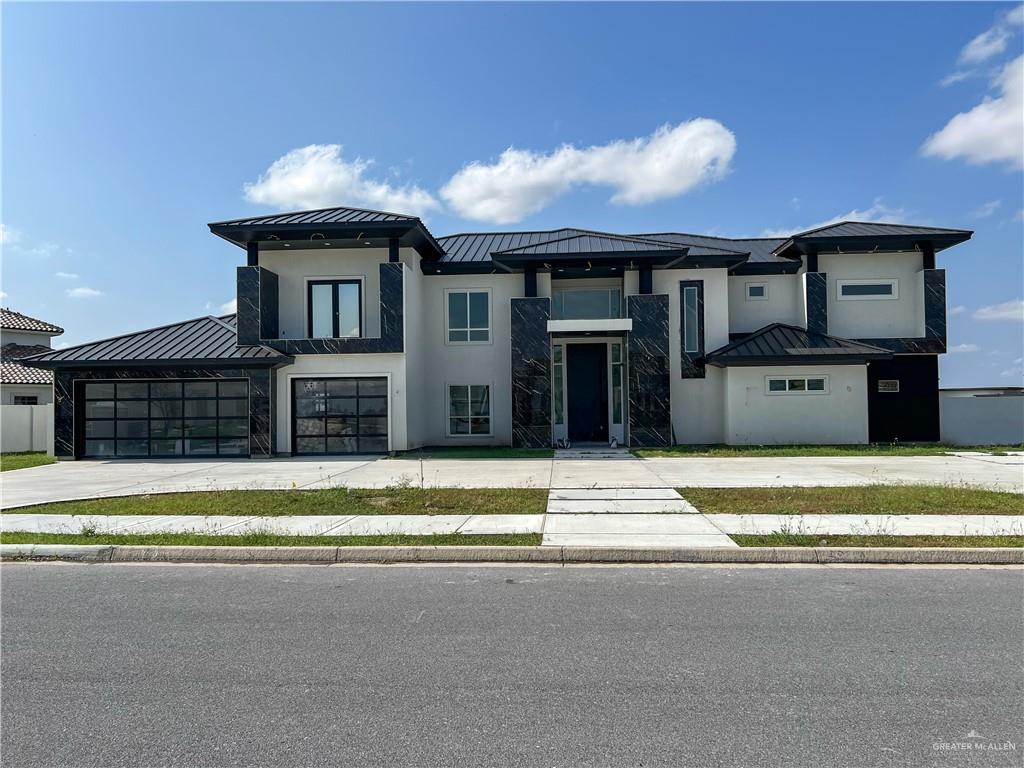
(478, 246)
(13, 372)
(340, 215)
(15, 321)
(590, 243)
(760, 249)
(206, 340)
(779, 343)
(870, 236)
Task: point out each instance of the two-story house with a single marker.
(360, 332)
(22, 336)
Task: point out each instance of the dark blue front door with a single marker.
(587, 392)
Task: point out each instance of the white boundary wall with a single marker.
(970, 420)
(26, 428)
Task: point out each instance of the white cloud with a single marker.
(318, 176)
(8, 236)
(667, 163)
(991, 131)
(228, 307)
(964, 348)
(878, 211)
(993, 41)
(1019, 216)
(1012, 311)
(3, 295)
(986, 209)
(82, 292)
(66, 275)
(959, 309)
(1016, 372)
(958, 76)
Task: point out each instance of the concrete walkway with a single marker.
(95, 479)
(619, 529)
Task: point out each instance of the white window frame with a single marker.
(490, 318)
(307, 306)
(875, 281)
(748, 286)
(788, 391)
(448, 408)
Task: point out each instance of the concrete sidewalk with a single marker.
(96, 479)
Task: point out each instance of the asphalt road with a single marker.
(108, 665)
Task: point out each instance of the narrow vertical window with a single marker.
(558, 383)
(690, 319)
(617, 379)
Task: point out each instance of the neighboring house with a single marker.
(20, 337)
(360, 332)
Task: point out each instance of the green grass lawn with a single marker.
(24, 460)
(804, 540)
(328, 501)
(855, 500)
(275, 540)
(767, 451)
(477, 452)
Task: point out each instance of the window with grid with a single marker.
(166, 418)
(469, 317)
(340, 415)
(469, 409)
(802, 385)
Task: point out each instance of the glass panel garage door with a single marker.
(206, 417)
(339, 416)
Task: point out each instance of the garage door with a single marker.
(338, 416)
(208, 417)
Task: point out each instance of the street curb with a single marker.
(102, 553)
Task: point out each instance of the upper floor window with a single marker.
(335, 309)
(757, 291)
(469, 317)
(26, 399)
(691, 319)
(849, 290)
(586, 303)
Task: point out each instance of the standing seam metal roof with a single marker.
(203, 338)
(780, 340)
(340, 215)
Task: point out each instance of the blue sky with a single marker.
(126, 128)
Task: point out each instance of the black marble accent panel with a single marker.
(531, 373)
(909, 345)
(268, 304)
(650, 412)
(691, 363)
(935, 304)
(392, 330)
(817, 302)
(248, 320)
(261, 400)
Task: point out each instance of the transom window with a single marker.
(469, 317)
(166, 418)
(469, 409)
(796, 385)
(586, 304)
(757, 291)
(335, 309)
(854, 290)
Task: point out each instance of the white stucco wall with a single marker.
(295, 267)
(880, 318)
(26, 338)
(753, 417)
(697, 404)
(783, 304)
(26, 428)
(42, 391)
(968, 420)
(489, 363)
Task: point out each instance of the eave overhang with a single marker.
(802, 245)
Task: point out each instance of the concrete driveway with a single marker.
(91, 479)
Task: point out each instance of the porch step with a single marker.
(593, 453)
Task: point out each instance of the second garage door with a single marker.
(339, 416)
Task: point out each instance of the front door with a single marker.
(587, 392)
